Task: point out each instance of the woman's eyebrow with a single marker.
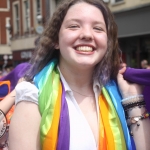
(73, 19)
(79, 20)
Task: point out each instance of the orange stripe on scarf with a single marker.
(103, 142)
(106, 134)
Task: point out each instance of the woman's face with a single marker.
(82, 36)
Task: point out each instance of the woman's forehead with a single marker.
(83, 9)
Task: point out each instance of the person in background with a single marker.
(144, 64)
(71, 99)
(1, 74)
(123, 64)
(148, 67)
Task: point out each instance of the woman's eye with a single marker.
(98, 29)
(73, 26)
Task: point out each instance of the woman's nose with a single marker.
(86, 34)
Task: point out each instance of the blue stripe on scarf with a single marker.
(116, 99)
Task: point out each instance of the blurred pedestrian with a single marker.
(123, 65)
(144, 64)
(1, 74)
(148, 67)
(4, 72)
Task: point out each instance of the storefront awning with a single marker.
(133, 22)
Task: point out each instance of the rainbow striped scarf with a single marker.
(55, 125)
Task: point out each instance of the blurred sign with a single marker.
(19, 56)
(26, 55)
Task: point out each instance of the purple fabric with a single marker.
(132, 143)
(4, 90)
(140, 76)
(64, 125)
(16, 74)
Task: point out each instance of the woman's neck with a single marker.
(77, 78)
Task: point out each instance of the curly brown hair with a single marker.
(105, 70)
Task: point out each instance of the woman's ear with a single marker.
(56, 46)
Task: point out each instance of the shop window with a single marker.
(16, 20)
(116, 1)
(8, 30)
(26, 16)
(37, 11)
(38, 7)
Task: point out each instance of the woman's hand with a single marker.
(20, 80)
(127, 89)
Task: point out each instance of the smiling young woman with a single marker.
(70, 100)
(82, 37)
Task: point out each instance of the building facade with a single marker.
(25, 19)
(21, 23)
(132, 18)
(5, 34)
(28, 18)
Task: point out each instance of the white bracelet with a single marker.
(133, 99)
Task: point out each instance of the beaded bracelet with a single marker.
(133, 120)
(133, 101)
(133, 104)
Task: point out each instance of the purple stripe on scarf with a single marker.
(64, 125)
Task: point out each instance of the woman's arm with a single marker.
(24, 132)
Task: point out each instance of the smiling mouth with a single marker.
(84, 49)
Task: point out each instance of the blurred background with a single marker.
(22, 21)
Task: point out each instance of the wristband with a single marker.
(132, 99)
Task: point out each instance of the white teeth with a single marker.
(84, 48)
